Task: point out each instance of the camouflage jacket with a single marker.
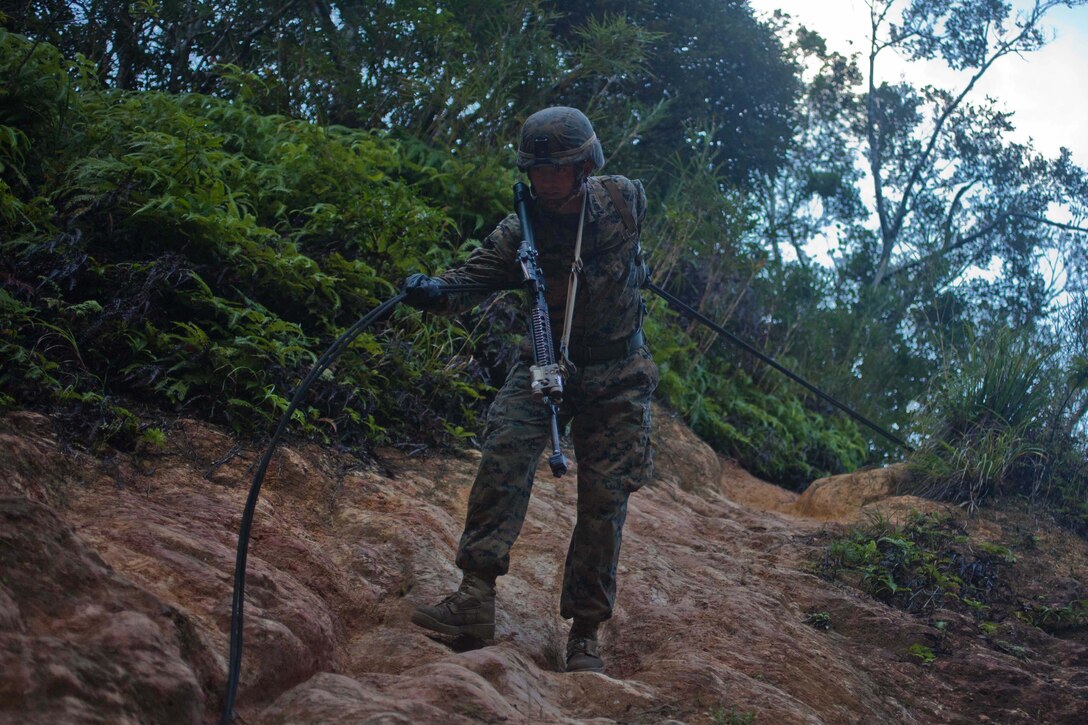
(608, 306)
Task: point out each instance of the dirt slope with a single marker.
(115, 587)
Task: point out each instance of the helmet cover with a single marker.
(558, 136)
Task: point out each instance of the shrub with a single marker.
(186, 252)
(769, 432)
(928, 563)
(983, 422)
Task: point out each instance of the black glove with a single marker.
(423, 292)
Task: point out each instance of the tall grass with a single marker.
(985, 422)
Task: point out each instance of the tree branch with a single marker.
(952, 210)
(890, 230)
(875, 160)
(1049, 222)
(964, 241)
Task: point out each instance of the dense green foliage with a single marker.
(189, 253)
(985, 415)
(459, 73)
(185, 252)
(731, 82)
(763, 426)
(206, 193)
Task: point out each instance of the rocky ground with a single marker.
(116, 575)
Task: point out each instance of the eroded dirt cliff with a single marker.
(116, 573)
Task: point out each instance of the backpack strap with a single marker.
(619, 203)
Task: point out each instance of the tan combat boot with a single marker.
(583, 655)
(468, 612)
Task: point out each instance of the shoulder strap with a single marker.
(619, 202)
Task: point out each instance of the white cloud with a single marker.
(1045, 90)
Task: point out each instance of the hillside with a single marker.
(116, 587)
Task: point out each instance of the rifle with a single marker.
(547, 377)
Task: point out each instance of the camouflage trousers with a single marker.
(608, 408)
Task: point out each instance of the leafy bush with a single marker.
(189, 253)
(772, 434)
(697, 244)
(927, 564)
(720, 716)
(1056, 617)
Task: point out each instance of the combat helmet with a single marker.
(558, 136)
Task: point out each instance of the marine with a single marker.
(610, 380)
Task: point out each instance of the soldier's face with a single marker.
(553, 183)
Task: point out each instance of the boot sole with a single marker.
(476, 631)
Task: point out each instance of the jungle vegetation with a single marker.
(197, 197)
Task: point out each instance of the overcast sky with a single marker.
(1046, 90)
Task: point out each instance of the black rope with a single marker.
(378, 314)
(686, 309)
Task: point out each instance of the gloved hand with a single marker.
(423, 292)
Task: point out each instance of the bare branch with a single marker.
(892, 224)
(966, 240)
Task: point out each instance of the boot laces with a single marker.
(582, 645)
(458, 597)
(465, 594)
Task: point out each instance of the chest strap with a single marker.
(572, 289)
(619, 203)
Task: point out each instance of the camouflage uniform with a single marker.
(606, 399)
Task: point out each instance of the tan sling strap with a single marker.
(572, 290)
(619, 203)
